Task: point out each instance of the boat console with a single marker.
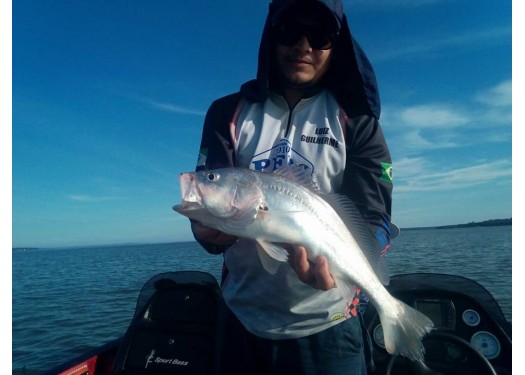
(471, 334)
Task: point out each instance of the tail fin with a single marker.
(403, 330)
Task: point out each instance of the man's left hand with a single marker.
(315, 274)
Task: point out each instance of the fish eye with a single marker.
(212, 176)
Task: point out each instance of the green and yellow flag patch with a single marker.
(386, 172)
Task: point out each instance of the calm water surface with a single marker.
(67, 301)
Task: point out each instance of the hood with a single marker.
(351, 77)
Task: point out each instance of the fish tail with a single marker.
(403, 330)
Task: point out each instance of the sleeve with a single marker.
(216, 148)
(368, 175)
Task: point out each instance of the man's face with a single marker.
(300, 65)
(302, 51)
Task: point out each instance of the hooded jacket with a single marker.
(368, 176)
(359, 152)
(353, 79)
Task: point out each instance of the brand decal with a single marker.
(337, 316)
(152, 358)
(280, 155)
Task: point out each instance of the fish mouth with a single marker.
(186, 209)
(191, 196)
(187, 206)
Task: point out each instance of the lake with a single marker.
(68, 301)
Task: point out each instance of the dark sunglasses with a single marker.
(319, 36)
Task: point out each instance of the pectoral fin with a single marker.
(269, 264)
(274, 251)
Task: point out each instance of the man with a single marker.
(315, 104)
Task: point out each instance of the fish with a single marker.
(287, 207)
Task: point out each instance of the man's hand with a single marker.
(315, 274)
(210, 235)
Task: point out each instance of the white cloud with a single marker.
(408, 167)
(175, 108)
(419, 175)
(486, 119)
(421, 45)
(91, 198)
(497, 96)
(431, 116)
(415, 140)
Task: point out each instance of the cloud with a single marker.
(416, 140)
(91, 198)
(163, 106)
(432, 115)
(497, 96)
(434, 126)
(419, 175)
(175, 108)
(422, 45)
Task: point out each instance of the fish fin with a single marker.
(269, 264)
(275, 251)
(248, 212)
(300, 175)
(354, 221)
(240, 219)
(403, 330)
(394, 231)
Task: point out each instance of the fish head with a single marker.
(221, 193)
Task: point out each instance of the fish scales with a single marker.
(284, 207)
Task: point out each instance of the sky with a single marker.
(108, 100)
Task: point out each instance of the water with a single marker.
(68, 301)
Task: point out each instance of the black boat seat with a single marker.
(174, 330)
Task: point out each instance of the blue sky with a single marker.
(108, 100)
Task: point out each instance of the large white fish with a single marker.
(287, 207)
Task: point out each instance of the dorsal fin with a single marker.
(299, 175)
(352, 218)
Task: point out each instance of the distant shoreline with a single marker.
(486, 223)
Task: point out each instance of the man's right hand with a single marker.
(210, 235)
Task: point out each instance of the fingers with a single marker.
(302, 265)
(323, 277)
(315, 274)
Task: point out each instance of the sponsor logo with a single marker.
(279, 155)
(337, 316)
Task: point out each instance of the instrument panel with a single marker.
(443, 314)
(455, 314)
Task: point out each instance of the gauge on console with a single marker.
(378, 336)
(471, 317)
(486, 343)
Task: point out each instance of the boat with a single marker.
(175, 328)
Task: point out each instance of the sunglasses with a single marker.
(319, 37)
